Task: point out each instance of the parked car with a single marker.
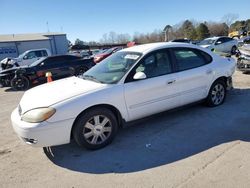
(21, 78)
(30, 56)
(243, 62)
(100, 56)
(182, 40)
(244, 40)
(133, 83)
(220, 44)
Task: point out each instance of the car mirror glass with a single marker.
(139, 76)
(219, 42)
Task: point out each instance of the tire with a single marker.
(20, 83)
(89, 132)
(217, 94)
(80, 71)
(233, 50)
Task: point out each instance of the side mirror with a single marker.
(139, 76)
(25, 57)
(217, 43)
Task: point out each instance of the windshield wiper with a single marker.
(92, 78)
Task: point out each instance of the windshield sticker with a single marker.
(131, 56)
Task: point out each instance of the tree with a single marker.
(123, 38)
(218, 29)
(188, 30)
(79, 42)
(229, 18)
(202, 31)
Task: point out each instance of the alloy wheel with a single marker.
(218, 94)
(97, 129)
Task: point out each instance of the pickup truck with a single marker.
(25, 59)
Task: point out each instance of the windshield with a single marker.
(110, 50)
(21, 55)
(113, 68)
(37, 62)
(207, 42)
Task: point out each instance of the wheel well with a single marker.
(222, 78)
(113, 109)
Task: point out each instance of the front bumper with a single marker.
(42, 134)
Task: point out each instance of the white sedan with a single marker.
(220, 44)
(133, 83)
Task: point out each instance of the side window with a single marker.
(227, 39)
(71, 58)
(30, 55)
(38, 53)
(47, 62)
(156, 64)
(44, 53)
(190, 58)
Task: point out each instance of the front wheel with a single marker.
(233, 50)
(217, 94)
(95, 128)
(20, 83)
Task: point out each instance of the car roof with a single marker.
(145, 48)
(212, 38)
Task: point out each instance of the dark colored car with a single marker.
(99, 57)
(21, 78)
(182, 40)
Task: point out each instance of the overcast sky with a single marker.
(89, 20)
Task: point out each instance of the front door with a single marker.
(158, 92)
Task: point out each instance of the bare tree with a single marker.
(229, 18)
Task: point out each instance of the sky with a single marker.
(89, 20)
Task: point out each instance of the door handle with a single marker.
(209, 71)
(171, 82)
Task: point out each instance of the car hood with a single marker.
(12, 70)
(7, 71)
(54, 92)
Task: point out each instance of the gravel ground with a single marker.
(191, 147)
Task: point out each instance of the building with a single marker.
(16, 44)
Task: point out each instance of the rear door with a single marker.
(156, 93)
(195, 73)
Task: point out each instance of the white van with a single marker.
(31, 56)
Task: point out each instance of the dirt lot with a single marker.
(192, 147)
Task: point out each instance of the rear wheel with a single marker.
(20, 83)
(95, 128)
(217, 94)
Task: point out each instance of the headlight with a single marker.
(38, 115)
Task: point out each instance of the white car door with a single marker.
(158, 92)
(220, 45)
(195, 73)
